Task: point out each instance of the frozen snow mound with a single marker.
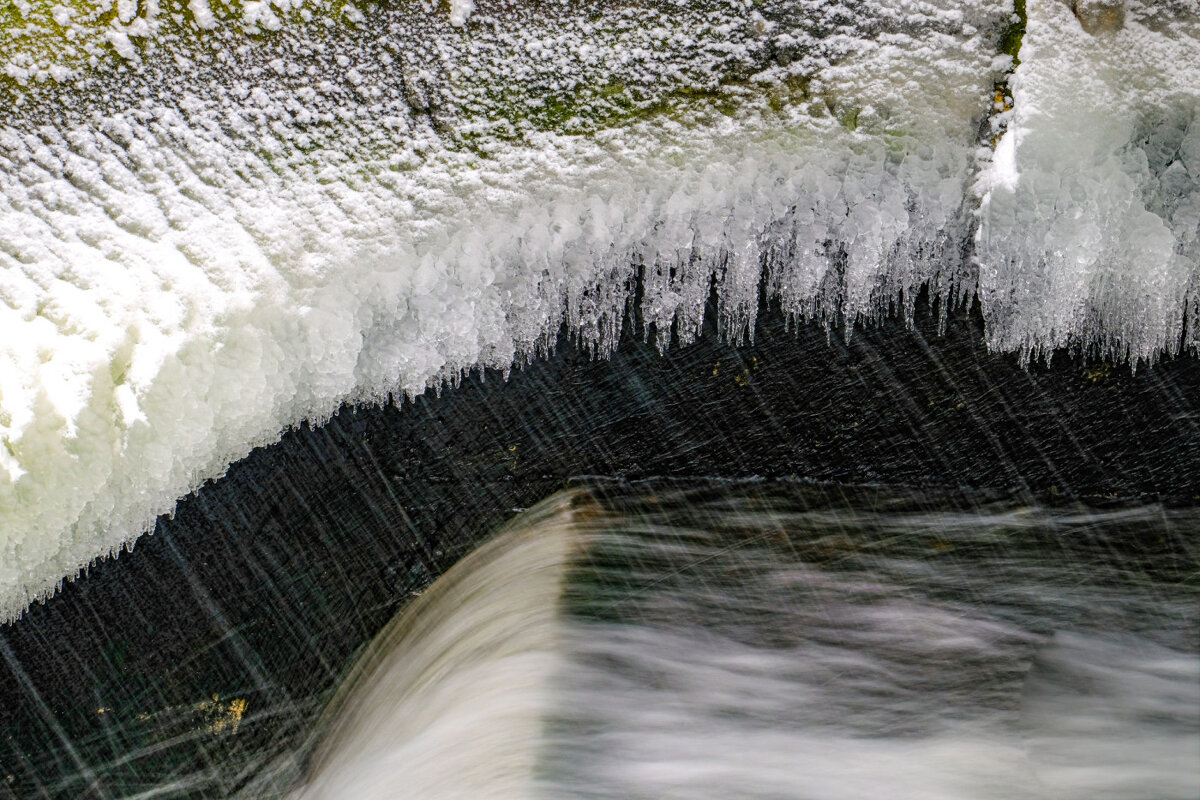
(207, 237)
(1089, 230)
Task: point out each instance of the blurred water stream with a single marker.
(733, 640)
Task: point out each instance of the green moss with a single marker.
(611, 89)
(512, 111)
(1010, 40)
(849, 118)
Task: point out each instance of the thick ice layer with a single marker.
(1090, 228)
(206, 237)
(245, 234)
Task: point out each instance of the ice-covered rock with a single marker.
(213, 236)
(1099, 16)
(1090, 225)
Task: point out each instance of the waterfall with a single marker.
(727, 641)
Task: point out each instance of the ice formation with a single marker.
(1090, 225)
(219, 220)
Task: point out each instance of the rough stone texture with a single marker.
(1100, 16)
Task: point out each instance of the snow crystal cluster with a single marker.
(214, 236)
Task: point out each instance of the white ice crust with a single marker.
(164, 314)
(460, 12)
(1090, 222)
(177, 287)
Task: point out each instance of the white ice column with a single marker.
(1091, 203)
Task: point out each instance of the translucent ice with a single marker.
(1090, 226)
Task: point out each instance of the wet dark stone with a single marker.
(266, 583)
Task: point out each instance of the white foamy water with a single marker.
(207, 237)
(720, 648)
(450, 699)
(696, 716)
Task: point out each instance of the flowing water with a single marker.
(728, 641)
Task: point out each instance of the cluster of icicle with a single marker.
(235, 238)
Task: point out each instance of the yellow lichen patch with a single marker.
(1001, 99)
(223, 717)
(237, 709)
(1097, 373)
(744, 377)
